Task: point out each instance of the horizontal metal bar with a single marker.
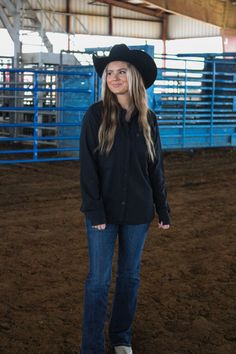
(42, 138)
(199, 80)
(193, 110)
(193, 94)
(163, 113)
(184, 61)
(48, 72)
(2, 162)
(25, 151)
(42, 109)
(207, 55)
(188, 125)
(193, 136)
(76, 90)
(196, 88)
(195, 122)
(196, 112)
(38, 125)
(186, 73)
(193, 103)
(173, 113)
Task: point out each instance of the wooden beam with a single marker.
(132, 7)
(216, 12)
(110, 21)
(68, 17)
(75, 14)
(164, 29)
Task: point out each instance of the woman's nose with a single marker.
(115, 76)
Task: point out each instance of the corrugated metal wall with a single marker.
(123, 13)
(91, 25)
(93, 18)
(56, 5)
(83, 7)
(185, 27)
(140, 29)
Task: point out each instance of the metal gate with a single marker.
(195, 101)
(41, 110)
(41, 113)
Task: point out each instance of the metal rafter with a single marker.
(9, 5)
(216, 12)
(134, 7)
(221, 13)
(6, 19)
(76, 14)
(40, 29)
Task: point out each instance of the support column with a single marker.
(16, 32)
(68, 24)
(164, 29)
(110, 20)
(229, 40)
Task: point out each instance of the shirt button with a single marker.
(123, 203)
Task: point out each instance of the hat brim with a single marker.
(142, 61)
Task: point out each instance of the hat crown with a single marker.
(118, 50)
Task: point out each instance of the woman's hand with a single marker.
(100, 227)
(160, 226)
(164, 227)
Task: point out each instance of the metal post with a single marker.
(36, 114)
(212, 101)
(17, 51)
(185, 103)
(16, 31)
(149, 49)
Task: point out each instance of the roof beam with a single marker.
(216, 12)
(77, 14)
(7, 23)
(132, 7)
(9, 5)
(41, 31)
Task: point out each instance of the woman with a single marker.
(122, 179)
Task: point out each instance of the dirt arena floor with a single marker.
(187, 299)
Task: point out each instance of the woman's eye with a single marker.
(122, 72)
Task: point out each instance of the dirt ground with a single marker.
(187, 299)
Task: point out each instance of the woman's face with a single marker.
(116, 76)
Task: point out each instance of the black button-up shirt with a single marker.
(125, 186)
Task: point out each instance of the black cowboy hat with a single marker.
(142, 61)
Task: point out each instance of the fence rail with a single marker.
(195, 101)
(41, 110)
(41, 113)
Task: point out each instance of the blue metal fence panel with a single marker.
(84, 81)
(194, 100)
(41, 111)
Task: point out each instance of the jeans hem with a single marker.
(121, 344)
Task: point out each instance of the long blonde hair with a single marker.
(107, 130)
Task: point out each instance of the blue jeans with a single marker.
(101, 246)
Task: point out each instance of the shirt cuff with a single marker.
(164, 217)
(97, 217)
